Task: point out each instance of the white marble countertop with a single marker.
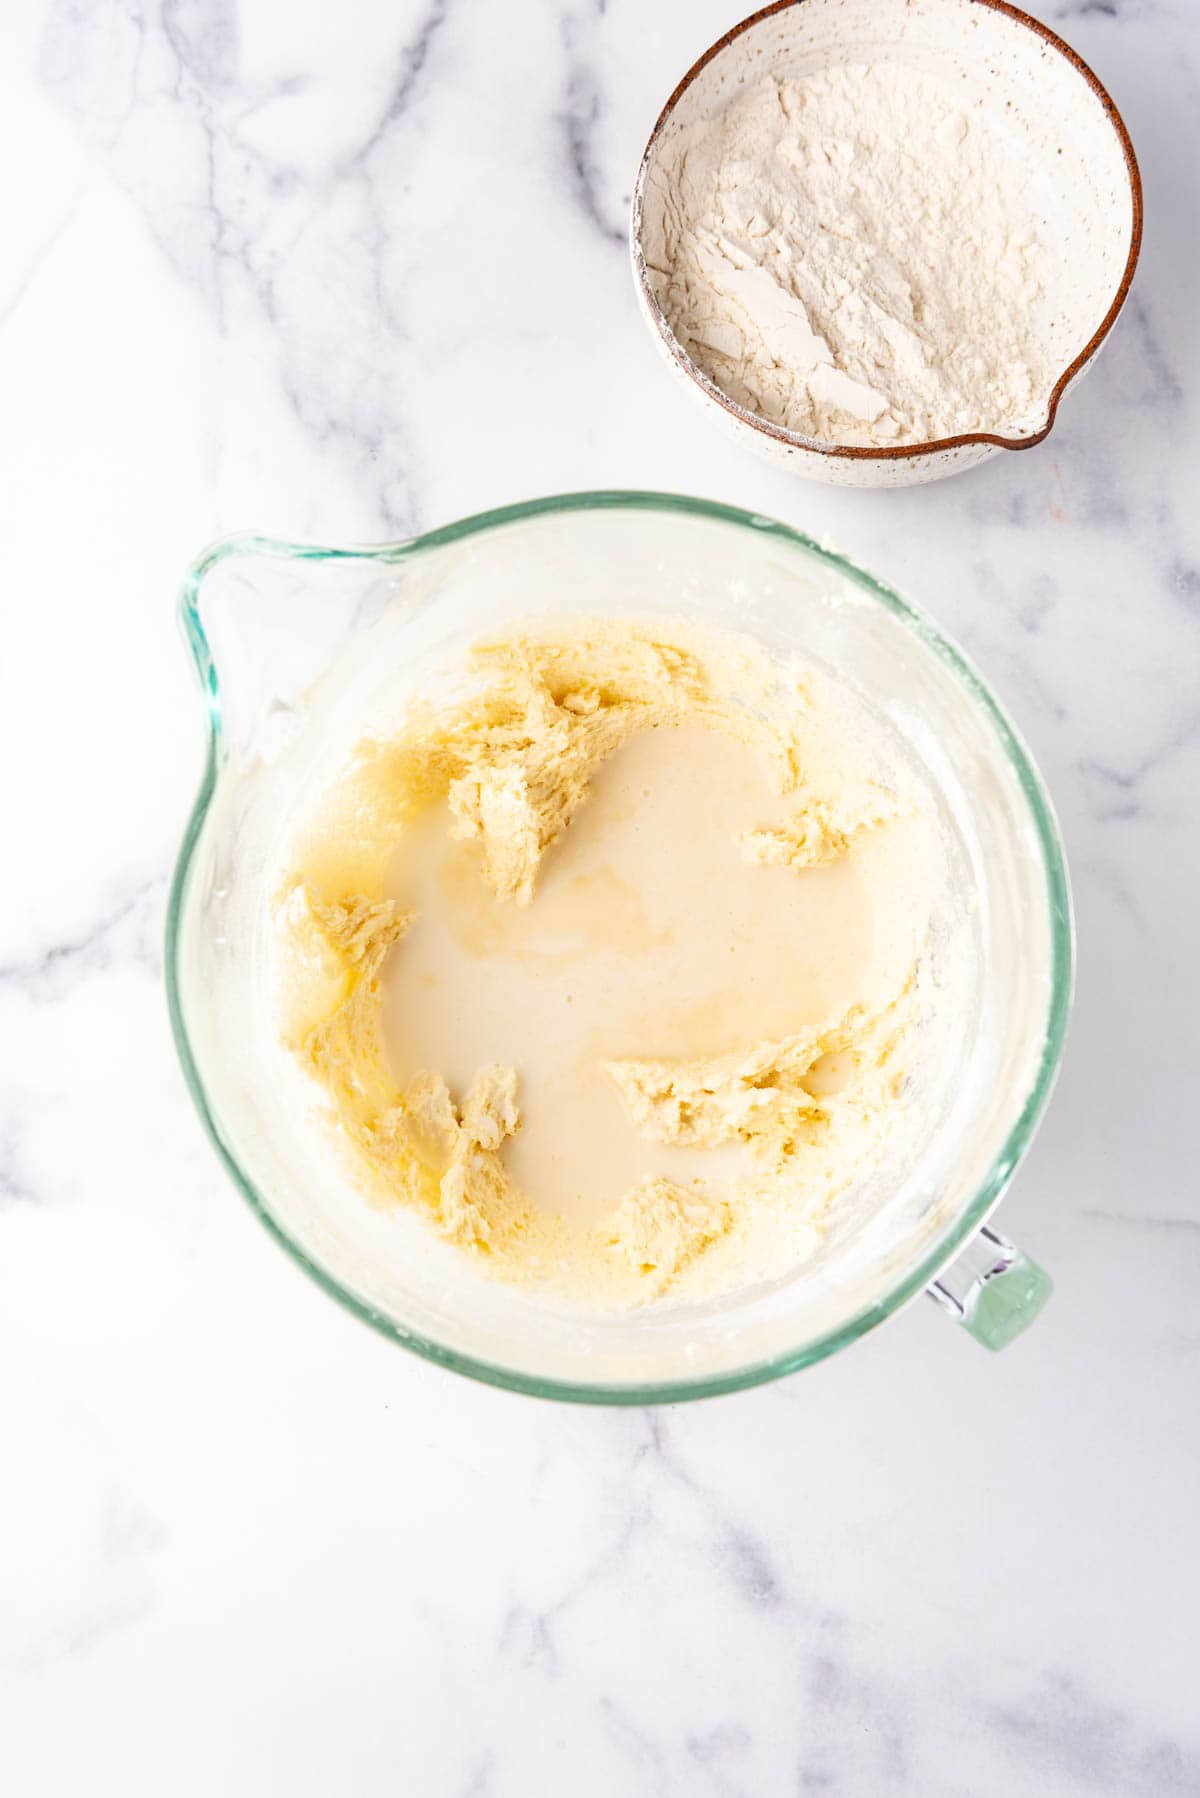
(350, 271)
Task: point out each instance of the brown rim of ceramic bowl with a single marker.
(894, 452)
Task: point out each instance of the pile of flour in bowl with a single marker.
(852, 256)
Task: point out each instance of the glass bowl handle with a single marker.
(992, 1289)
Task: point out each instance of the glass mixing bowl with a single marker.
(302, 650)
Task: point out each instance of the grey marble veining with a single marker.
(348, 273)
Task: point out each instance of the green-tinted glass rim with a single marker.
(1057, 895)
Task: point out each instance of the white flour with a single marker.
(851, 255)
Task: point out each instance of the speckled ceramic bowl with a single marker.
(1084, 187)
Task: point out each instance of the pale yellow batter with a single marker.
(608, 967)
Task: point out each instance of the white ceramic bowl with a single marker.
(1085, 192)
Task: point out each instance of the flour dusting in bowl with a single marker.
(852, 256)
